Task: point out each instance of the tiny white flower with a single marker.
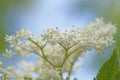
(8, 53)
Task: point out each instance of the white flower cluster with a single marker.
(58, 51)
(6, 73)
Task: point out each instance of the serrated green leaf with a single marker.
(109, 68)
(116, 76)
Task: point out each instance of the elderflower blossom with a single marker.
(8, 53)
(25, 70)
(48, 74)
(59, 51)
(7, 73)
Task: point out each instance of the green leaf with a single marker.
(116, 76)
(109, 68)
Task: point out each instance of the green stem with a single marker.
(72, 65)
(44, 56)
(65, 58)
(4, 77)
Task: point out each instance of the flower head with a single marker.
(59, 51)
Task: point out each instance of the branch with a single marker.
(72, 45)
(62, 45)
(44, 56)
(72, 65)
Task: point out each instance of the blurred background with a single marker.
(38, 15)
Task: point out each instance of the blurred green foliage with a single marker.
(6, 5)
